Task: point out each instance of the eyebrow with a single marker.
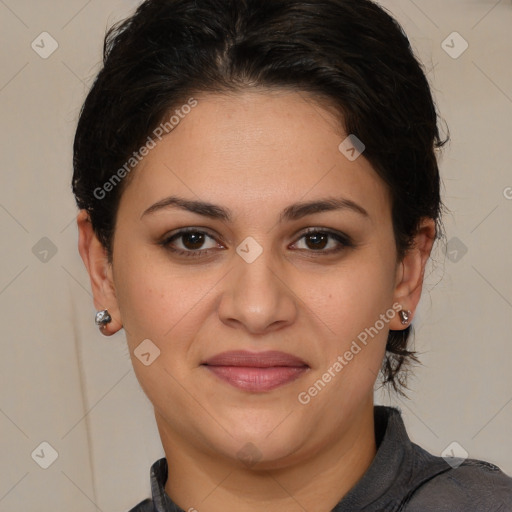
(293, 212)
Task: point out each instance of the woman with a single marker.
(259, 196)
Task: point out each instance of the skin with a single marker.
(256, 153)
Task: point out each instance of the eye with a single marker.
(324, 241)
(191, 242)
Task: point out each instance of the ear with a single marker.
(411, 271)
(95, 258)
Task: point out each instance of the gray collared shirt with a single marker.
(402, 477)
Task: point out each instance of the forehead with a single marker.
(256, 147)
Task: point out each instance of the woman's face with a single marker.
(249, 278)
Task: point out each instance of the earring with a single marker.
(102, 318)
(404, 316)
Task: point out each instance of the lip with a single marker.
(256, 371)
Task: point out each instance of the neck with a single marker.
(315, 482)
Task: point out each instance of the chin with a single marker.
(265, 454)
(267, 444)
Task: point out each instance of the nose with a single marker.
(258, 296)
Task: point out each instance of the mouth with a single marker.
(256, 371)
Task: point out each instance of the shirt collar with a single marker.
(398, 468)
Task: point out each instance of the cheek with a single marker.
(351, 297)
(352, 347)
(159, 302)
(350, 350)
(155, 297)
(158, 298)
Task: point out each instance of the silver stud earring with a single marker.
(102, 318)
(404, 316)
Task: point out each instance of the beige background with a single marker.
(63, 383)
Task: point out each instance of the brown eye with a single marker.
(317, 240)
(324, 241)
(193, 240)
(189, 242)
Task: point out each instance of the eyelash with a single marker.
(344, 241)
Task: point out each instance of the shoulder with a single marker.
(144, 506)
(474, 485)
